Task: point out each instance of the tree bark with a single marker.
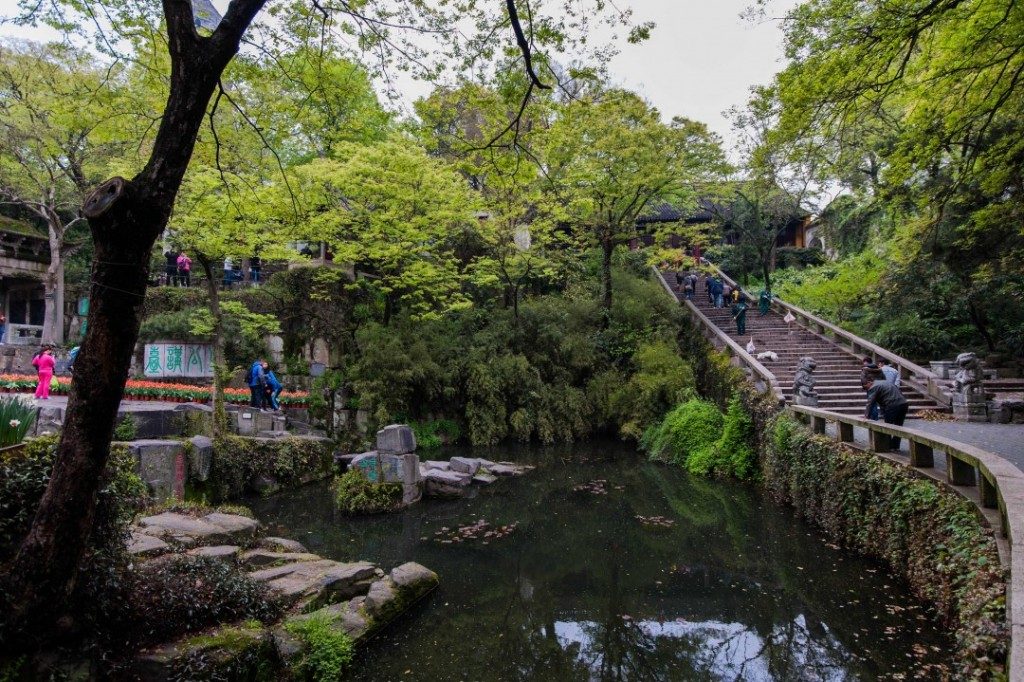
(220, 368)
(607, 248)
(125, 218)
(53, 287)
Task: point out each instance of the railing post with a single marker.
(921, 455)
(959, 472)
(879, 442)
(818, 424)
(845, 432)
(989, 494)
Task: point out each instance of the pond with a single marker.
(714, 582)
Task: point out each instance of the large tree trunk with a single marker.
(607, 248)
(125, 218)
(220, 365)
(53, 289)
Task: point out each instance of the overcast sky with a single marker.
(702, 57)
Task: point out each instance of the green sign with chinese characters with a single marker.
(172, 359)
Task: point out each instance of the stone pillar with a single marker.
(969, 402)
(921, 455)
(959, 472)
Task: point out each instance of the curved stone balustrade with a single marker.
(993, 484)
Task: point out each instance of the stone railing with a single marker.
(23, 334)
(994, 485)
(924, 380)
(763, 377)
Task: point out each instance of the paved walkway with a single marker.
(126, 405)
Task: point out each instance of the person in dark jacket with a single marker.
(739, 314)
(257, 380)
(870, 372)
(171, 267)
(885, 395)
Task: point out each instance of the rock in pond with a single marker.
(315, 583)
(465, 465)
(446, 484)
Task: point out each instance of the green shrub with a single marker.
(126, 429)
(328, 649)
(686, 432)
(434, 433)
(355, 494)
(16, 418)
(911, 336)
(660, 380)
(186, 594)
(238, 462)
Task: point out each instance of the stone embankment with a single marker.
(357, 598)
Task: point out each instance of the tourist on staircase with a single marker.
(764, 302)
(891, 373)
(870, 372)
(885, 395)
(739, 313)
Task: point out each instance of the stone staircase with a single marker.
(838, 370)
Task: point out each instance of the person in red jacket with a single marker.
(44, 364)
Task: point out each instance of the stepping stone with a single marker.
(212, 529)
(258, 558)
(504, 470)
(484, 478)
(142, 545)
(414, 577)
(281, 544)
(382, 600)
(318, 582)
(227, 553)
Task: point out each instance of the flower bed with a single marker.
(136, 389)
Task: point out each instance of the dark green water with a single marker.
(737, 588)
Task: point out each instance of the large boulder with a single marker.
(161, 464)
(316, 583)
(396, 439)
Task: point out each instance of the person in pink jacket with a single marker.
(44, 364)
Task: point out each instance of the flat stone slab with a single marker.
(509, 469)
(319, 582)
(436, 464)
(142, 545)
(226, 553)
(281, 544)
(212, 529)
(259, 558)
(438, 483)
(465, 465)
(484, 478)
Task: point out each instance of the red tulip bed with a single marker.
(136, 389)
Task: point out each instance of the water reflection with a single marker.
(736, 589)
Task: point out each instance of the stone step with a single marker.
(315, 583)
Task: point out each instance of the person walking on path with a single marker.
(764, 303)
(688, 289)
(184, 264)
(273, 389)
(892, 374)
(870, 372)
(716, 292)
(257, 381)
(885, 395)
(44, 364)
(739, 313)
(171, 268)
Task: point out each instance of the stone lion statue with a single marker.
(968, 379)
(803, 382)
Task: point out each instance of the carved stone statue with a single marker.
(803, 383)
(969, 402)
(969, 379)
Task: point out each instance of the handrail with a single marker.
(736, 350)
(1001, 488)
(921, 378)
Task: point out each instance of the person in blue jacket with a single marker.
(273, 389)
(257, 381)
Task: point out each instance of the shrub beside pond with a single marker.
(355, 494)
(239, 462)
